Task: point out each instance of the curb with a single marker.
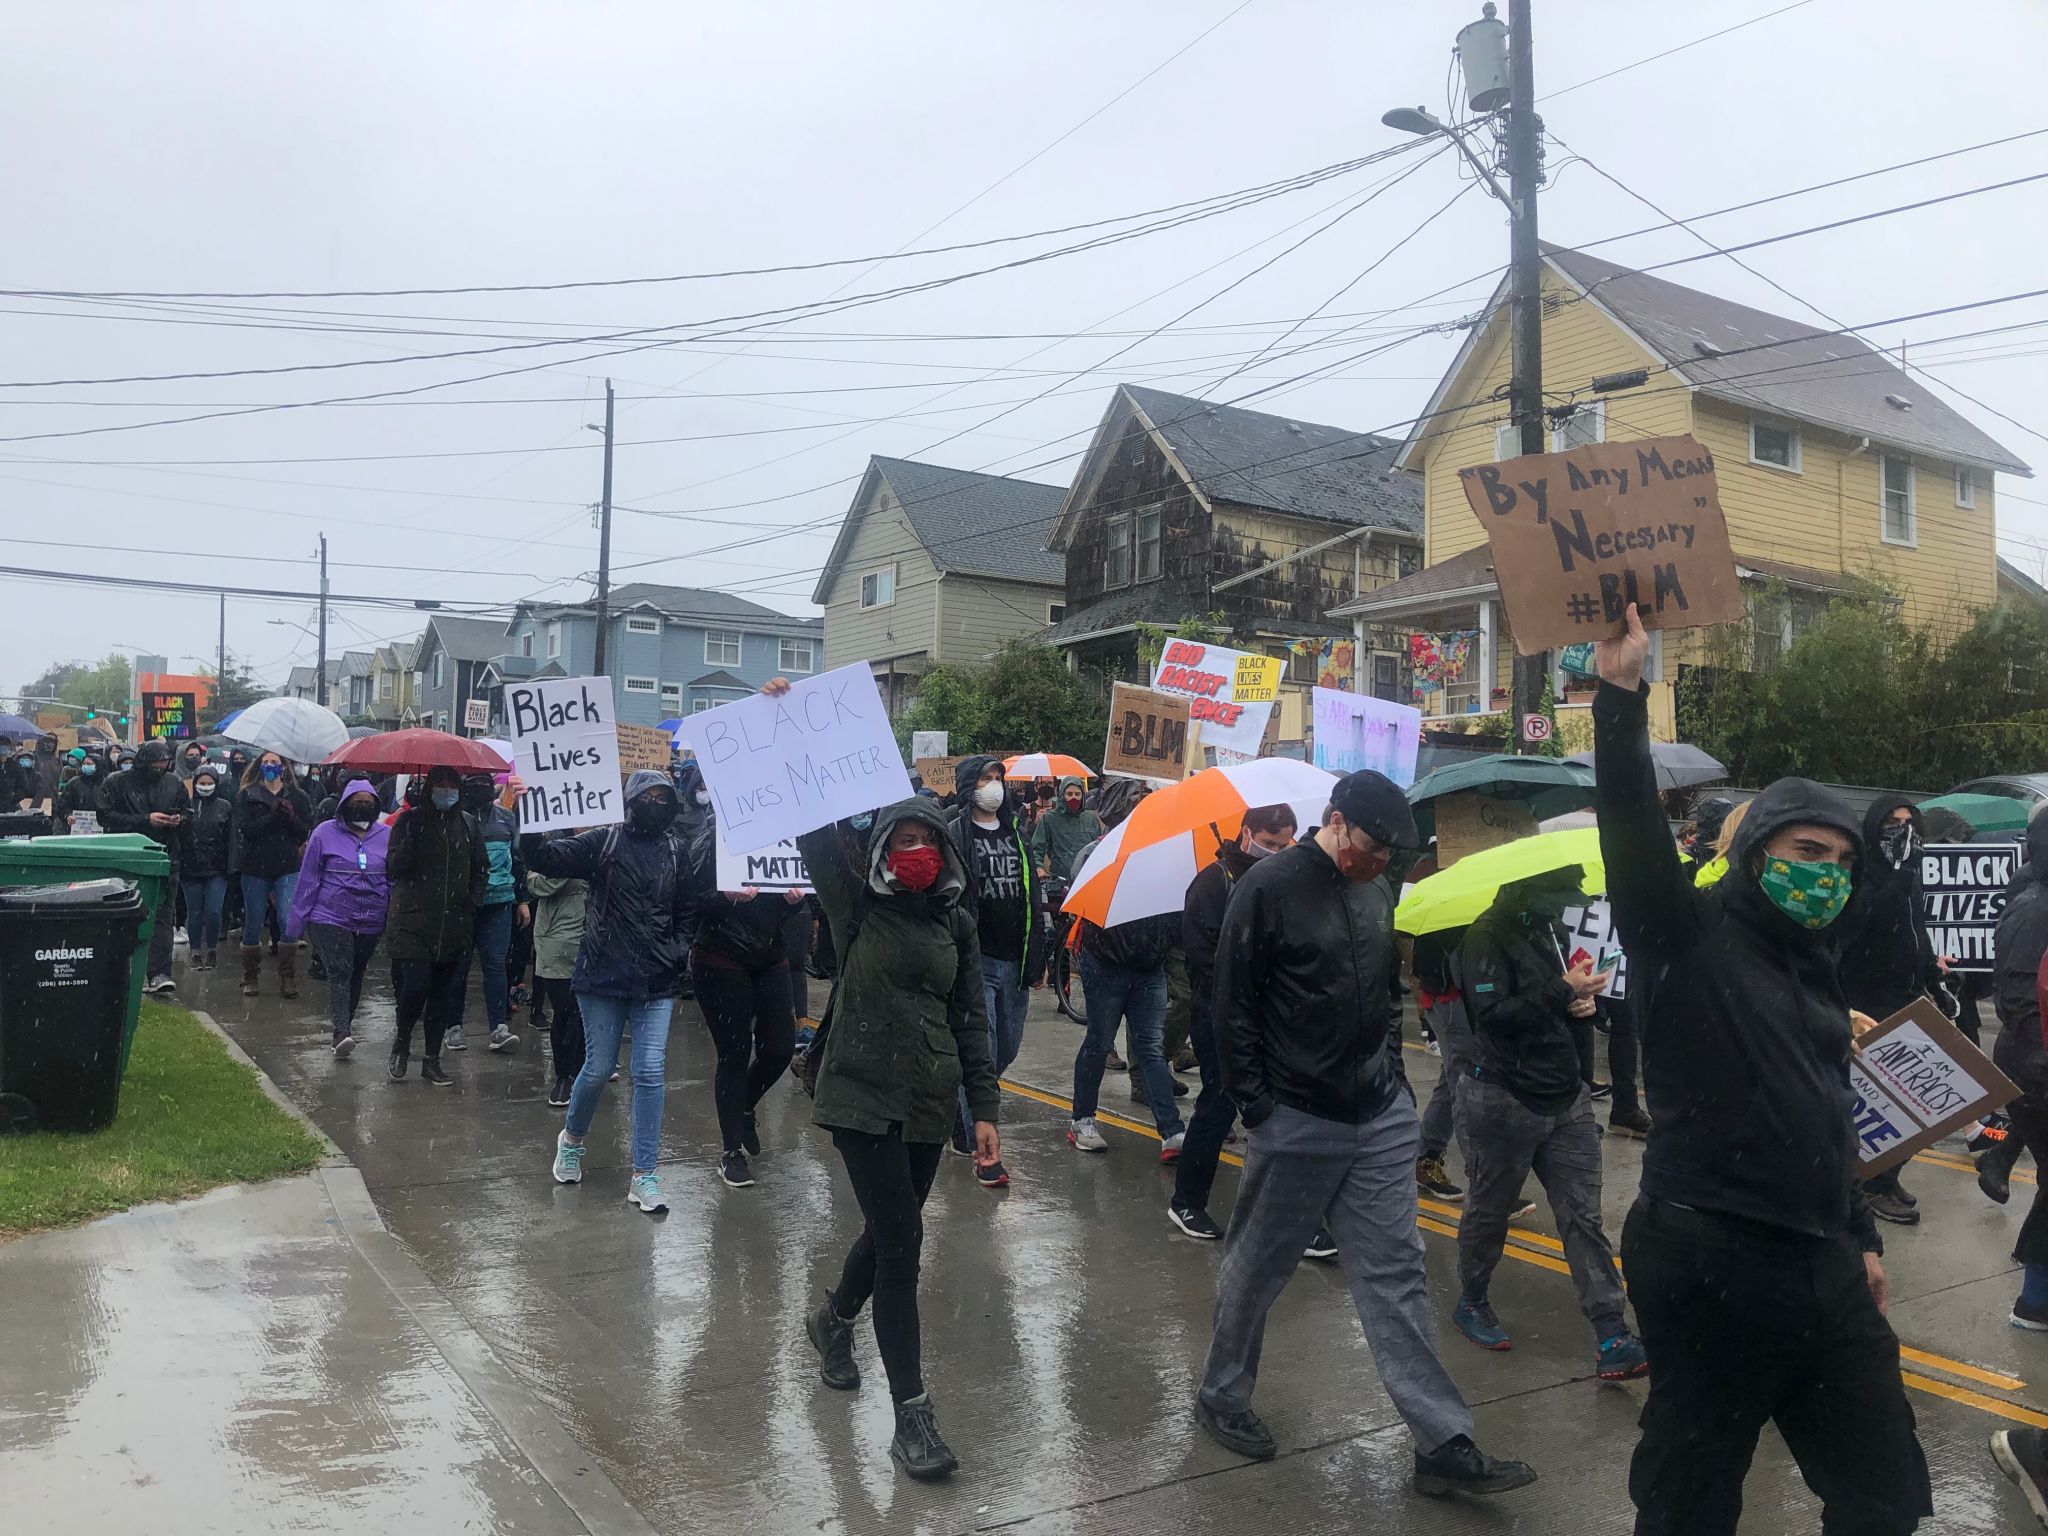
(334, 1157)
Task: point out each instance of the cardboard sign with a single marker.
(1578, 536)
(642, 746)
(52, 720)
(169, 716)
(1593, 938)
(924, 744)
(780, 767)
(67, 737)
(937, 772)
(1354, 732)
(476, 715)
(565, 747)
(1963, 896)
(1148, 735)
(1206, 676)
(778, 867)
(1917, 1079)
(1466, 823)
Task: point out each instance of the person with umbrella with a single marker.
(1752, 1258)
(503, 903)
(439, 874)
(1307, 979)
(148, 798)
(341, 899)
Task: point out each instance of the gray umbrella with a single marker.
(1678, 765)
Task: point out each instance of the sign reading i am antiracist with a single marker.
(1578, 536)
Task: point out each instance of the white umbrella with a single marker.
(297, 729)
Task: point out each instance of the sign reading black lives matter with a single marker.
(780, 767)
(565, 749)
(1962, 887)
(1578, 536)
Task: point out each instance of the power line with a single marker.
(1668, 52)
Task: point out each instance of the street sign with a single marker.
(476, 715)
(1535, 727)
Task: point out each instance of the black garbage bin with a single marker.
(64, 979)
(24, 824)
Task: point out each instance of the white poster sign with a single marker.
(1353, 731)
(779, 767)
(476, 715)
(924, 744)
(778, 867)
(565, 748)
(1592, 937)
(1218, 685)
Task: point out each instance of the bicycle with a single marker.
(1059, 964)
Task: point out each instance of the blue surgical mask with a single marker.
(272, 772)
(87, 770)
(447, 799)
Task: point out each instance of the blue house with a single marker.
(671, 650)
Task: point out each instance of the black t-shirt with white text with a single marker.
(999, 886)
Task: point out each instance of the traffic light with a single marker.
(92, 714)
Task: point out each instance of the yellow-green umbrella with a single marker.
(1459, 894)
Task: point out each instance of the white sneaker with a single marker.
(645, 1192)
(180, 938)
(1169, 1149)
(1083, 1136)
(568, 1160)
(161, 984)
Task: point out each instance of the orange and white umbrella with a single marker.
(1046, 765)
(1144, 866)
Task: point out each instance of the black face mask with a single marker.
(1546, 903)
(651, 814)
(476, 797)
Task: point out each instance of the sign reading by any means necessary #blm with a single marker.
(1578, 536)
(780, 767)
(565, 748)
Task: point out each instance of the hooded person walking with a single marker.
(1752, 1259)
(273, 818)
(150, 799)
(1064, 828)
(203, 850)
(438, 870)
(341, 900)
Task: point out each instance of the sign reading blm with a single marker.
(778, 767)
(1578, 536)
(565, 747)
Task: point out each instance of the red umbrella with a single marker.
(416, 751)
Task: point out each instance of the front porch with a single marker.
(1443, 627)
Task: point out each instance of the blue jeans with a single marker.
(204, 897)
(1136, 999)
(1005, 997)
(493, 930)
(605, 1020)
(257, 892)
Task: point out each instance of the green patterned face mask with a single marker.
(1811, 894)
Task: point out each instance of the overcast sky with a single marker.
(221, 147)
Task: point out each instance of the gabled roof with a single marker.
(1797, 369)
(966, 522)
(466, 639)
(2012, 576)
(720, 680)
(1331, 474)
(354, 664)
(1465, 575)
(697, 603)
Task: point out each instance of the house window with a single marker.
(1116, 563)
(440, 673)
(419, 685)
(1148, 545)
(1899, 525)
(1775, 444)
(1966, 487)
(721, 648)
(672, 697)
(1408, 560)
(1298, 666)
(1586, 425)
(555, 639)
(878, 588)
(526, 643)
(384, 681)
(641, 624)
(642, 685)
(698, 706)
(1507, 441)
(441, 720)
(1386, 678)
(1054, 612)
(796, 656)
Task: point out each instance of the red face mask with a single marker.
(917, 868)
(1356, 864)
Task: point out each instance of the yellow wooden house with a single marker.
(1836, 466)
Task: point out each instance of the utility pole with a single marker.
(220, 660)
(604, 539)
(1525, 270)
(320, 668)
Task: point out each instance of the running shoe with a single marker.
(735, 1170)
(992, 1175)
(1169, 1149)
(568, 1160)
(1321, 1246)
(1623, 1358)
(2022, 1455)
(1083, 1137)
(1476, 1320)
(1194, 1221)
(645, 1192)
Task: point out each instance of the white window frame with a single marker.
(1592, 410)
(1507, 442)
(1155, 541)
(440, 672)
(554, 639)
(672, 697)
(642, 684)
(1966, 486)
(698, 706)
(1911, 539)
(1796, 454)
(642, 624)
(881, 575)
(783, 651)
(724, 637)
(1120, 535)
(384, 682)
(1055, 612)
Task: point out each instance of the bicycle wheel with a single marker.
(1073, 1004)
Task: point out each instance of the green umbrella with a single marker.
(1549, 786)
(1987, 813)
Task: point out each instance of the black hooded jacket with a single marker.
(960, 829)
(1519, 1004)
(724, 928)
(1881, 943)
(1745, 1026)
(2022, 940)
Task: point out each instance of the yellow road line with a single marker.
(1998, 1405)
(1961, 1368)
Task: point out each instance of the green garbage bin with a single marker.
(112, 855)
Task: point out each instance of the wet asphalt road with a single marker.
(1065, 1321)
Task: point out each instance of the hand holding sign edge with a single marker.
(1620, 658)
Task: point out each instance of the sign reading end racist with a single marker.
(780, 767)
(1578, 536)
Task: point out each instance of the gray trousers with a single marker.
(1504, 1142)
(1301, 1172)
(1453, 1032)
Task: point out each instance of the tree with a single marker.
(1023, 700)
(234, 689)
(108, 687)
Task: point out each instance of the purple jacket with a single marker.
(341, 879)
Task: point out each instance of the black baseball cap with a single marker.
(1375, 805)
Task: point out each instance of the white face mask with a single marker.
(202, 790)
(989, 796)
(701, 796)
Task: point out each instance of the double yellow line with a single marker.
(1546, 1252)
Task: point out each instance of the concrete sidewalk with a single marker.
(265, 1358)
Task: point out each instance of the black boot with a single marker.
(1461, 1467)
(1995, 1165)
(832, 1336)
(398, 1063)
(917, 1444)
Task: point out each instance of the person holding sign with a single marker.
(1523, 1108)
(2020, 977)
(1752, 1259)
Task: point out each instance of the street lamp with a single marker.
(1412, 120)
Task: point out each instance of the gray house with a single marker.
(671, 650)
(938, 565)
(448, 667)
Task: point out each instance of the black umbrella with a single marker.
(1678, 765)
